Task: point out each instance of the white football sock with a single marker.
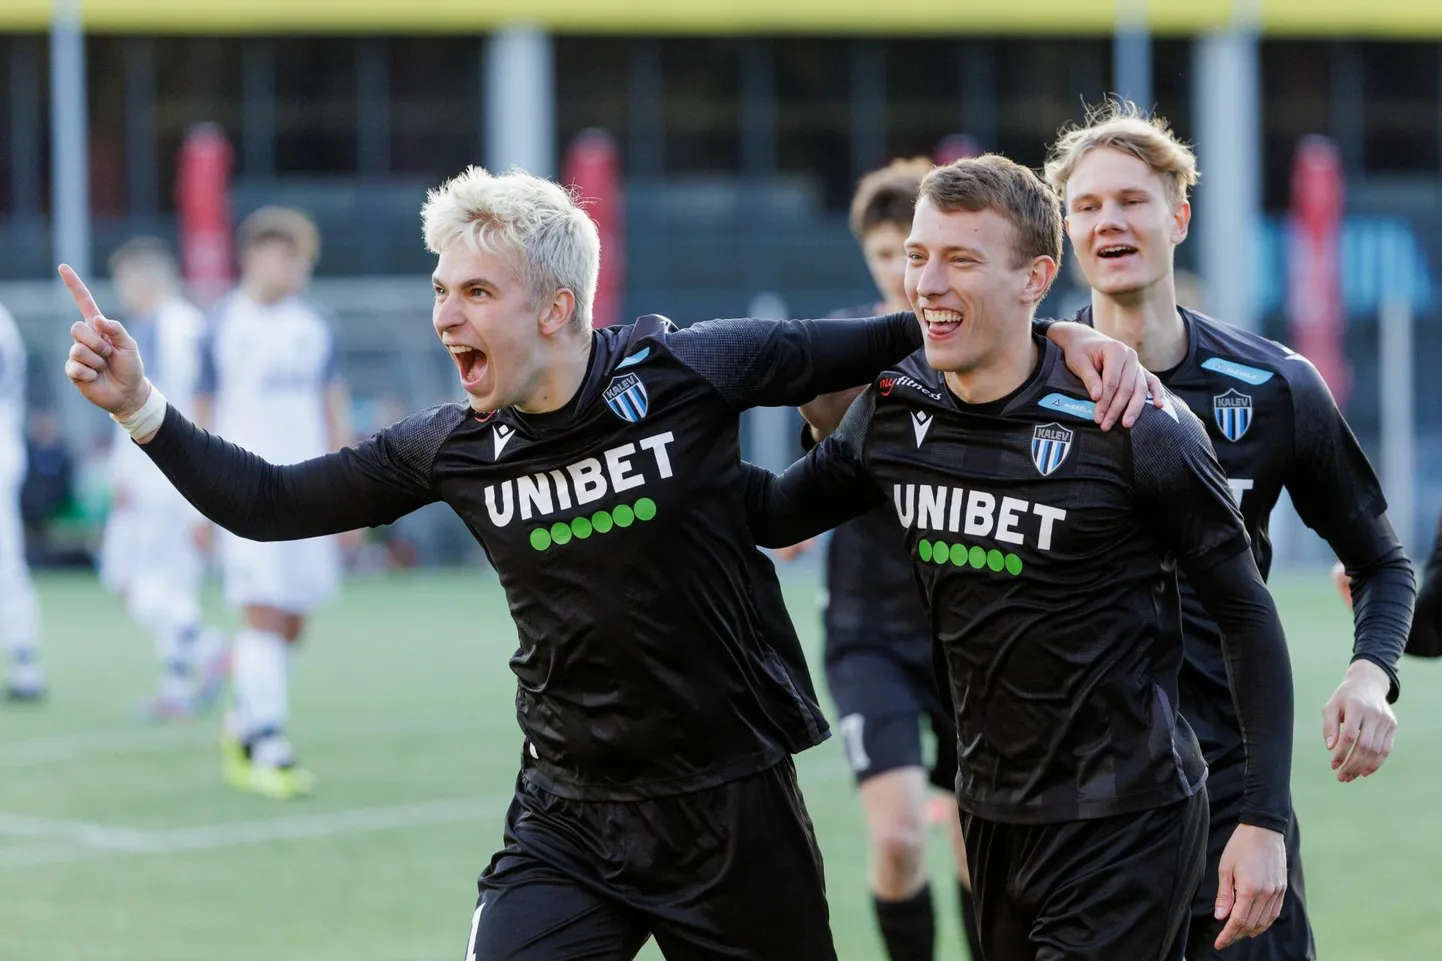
(20, 624)
(261, 683)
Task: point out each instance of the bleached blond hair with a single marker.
(1121, 125)
(536, 224)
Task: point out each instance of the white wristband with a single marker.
(147, 419)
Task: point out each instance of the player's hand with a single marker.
(1358, 725)
(202, 535)
(1252, 880)
(1123, 384)
(1343, 580)
(103, 363)
(794, 551)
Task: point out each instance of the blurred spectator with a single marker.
(48, 493)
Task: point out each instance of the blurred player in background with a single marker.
(879, 664)
(19, 608)
(152, 553)
(270, 381)
(1123, 179)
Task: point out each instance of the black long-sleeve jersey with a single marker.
(871, 595)
(1425, 639)
(656, 655)
(1274, 425)
(1047, 550)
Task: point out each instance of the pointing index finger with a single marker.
(88, 308)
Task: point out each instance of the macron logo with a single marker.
(502, 434)
(635, 358)
(920, 423)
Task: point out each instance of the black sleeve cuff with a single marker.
(1041, 325)
(1396, 687)
(1262, 819)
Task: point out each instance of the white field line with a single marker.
(52, 749)
(81, 832)
(70, 841)
(84, 841)
(36, 751)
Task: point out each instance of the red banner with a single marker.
(1314, 290)
(593, 168)
(202, 200)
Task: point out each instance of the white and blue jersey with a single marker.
(267, 368)
(170, 341)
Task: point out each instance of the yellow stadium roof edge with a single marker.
(1412, 19)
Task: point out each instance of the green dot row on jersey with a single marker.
(977, 557)
(601, 522)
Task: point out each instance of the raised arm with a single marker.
(825, 488)
(1109, 370)
(784, 363)
(372, 484)
(1185, 499)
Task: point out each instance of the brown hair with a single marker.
(144, 251)
(994, 182)
(888, 195)
(1121, 125)
(280, 223)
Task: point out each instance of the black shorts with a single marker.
(1106, 889)
(729, 872)
(1290, 936)
(881, 700)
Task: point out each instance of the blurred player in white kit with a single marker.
(152, 554)
(19, 609)
(270, 382)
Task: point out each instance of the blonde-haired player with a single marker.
(1123, 177)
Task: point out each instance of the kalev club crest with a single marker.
(626, 396)
(1050, 443)
(1233, 412)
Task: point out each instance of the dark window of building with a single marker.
(315, 106)
(593, 77)
(1401, 80)
(923, 96)
(701, 105)
(435, 105)
(1043, 84)
(813, 114)
(1297, 94)
(197, 80)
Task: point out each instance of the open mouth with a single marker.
(470, 362)
(1116, 251)
(937, 323)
